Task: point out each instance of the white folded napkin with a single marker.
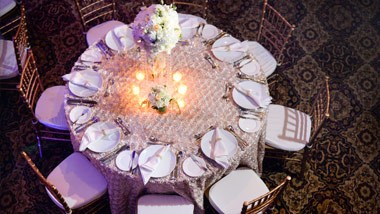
(102, 133)
(255, 99)
(123, 34)
(151, 164)
(218, 151)
(77, 79)
(189, 23)
(91, 55)
(235, 47)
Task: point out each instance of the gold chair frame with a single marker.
(30, 88)
(89, 208)
(91, 11)
(274, 31)
(265, 201)
(319, 114)
(202, 6)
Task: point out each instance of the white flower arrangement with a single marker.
(159, 98)
(156, 28)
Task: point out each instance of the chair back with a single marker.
(20, 41)
(93, 12)
(274, 31)
(262, 203)
(30, 85)
(319, 110)
(201, 4)
(9, 23)
(52, 189)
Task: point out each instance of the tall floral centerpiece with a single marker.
(156, 30)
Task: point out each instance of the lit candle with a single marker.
(135, 89)
(140, 76)
(181, 103)
(177, 76)
(182, 89)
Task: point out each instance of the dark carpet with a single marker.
(339, 38)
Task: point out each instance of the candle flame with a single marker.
(182, 89)
(140, 76)
(181, 103)
(135, 90)
(177, 76)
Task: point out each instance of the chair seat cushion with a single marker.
(99, 31)
(228, 194)
(287, 129)
(78, 181)
(8, 63)
(267, 62)
(6, 6)
(49, 109)
(164, 204)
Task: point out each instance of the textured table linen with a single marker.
(204, 107)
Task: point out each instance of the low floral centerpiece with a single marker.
(156, 28)
(159, 98)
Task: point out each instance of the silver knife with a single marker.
(198, 162)
(114, 153)
(85, 125)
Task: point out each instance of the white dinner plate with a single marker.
(257, 90)
(106, 144)
(229, 142)
(166, 165)
(209, 31)
(76, 114)
(191, 168)
(249, 125)
(124, 159)
(93, 77)
(113, 41)
(227, 56)
(189, 32)
(91, 55)
(250, 68)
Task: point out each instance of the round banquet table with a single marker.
(203, 107)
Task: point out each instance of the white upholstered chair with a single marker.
(274, 33)
(45, 105)
(291, 130)
(243, 191)
(100, 12)
(164, 204)
(13, 52)
(74, 184)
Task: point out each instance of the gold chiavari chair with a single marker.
(98, 17)
(9, 17)
(46, 105)
(75, 185)
(273, 35)
(290, 131)
(200, 4)
(13, 53)
(243, 191)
